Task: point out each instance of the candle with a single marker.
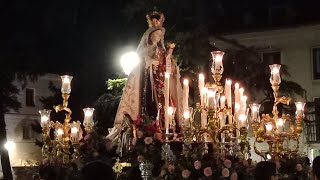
(45, 117)
(171, 112)
(236, 96)
(88, 116)
(185, 92)
(300, 109)
(242, 120)
(44, 121)
(280, 124)
(211, 99)
(243, 105)
(204, 96)
(74, 132)
(201, 86)
(222, 118)
(166, 100)
(66, 81)
(222, 102)
(228, 92)
(217, 66)
(269, 128)
(187, 114)
(275, 78)
(204, 118)
(254, 113)
(59, 134)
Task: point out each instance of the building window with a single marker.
(312, 123)
(26, 132)
(30, 97)
(316, 63)
(272, 57)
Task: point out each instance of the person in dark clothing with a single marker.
(316, 169)
(98, 171)
(265, 170)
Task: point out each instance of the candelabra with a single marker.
(215, 119)
(67, 135)
(271, 128)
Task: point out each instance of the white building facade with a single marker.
(19, 124)
(299, 49)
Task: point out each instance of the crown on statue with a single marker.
(155, 19)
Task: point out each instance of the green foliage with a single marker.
(115, 86)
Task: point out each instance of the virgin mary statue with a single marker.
(144, 91)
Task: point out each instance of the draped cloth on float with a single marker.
(131, 97)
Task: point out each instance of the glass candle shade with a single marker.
(66, 84)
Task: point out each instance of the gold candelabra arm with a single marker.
(65, 97)
(64, 107)
(76, 153)
(256, 150)
(47, 145)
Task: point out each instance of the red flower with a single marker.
(151, 128)
(138, 120)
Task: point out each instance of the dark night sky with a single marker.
(85, 38)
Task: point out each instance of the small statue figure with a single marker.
(127, 135)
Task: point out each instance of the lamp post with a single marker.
(129, 61)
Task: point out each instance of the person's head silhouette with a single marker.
(265, 170)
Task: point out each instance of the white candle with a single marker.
(254, 112)
(217, 66)
(66, 84)
(211, 96)
(187, 113)
(170, 114)
(204, 118)
(236, 95)
(280, 124)
(222, 119)
(300, 109)
(275, 74)
(44, 121)
(243, 105)
(166, 100)
(204, 96)
(185, 93)
(228, 92)
(74, 132)
(242, 120)
(269, 128)
(222, 102)
(45, 117)
(201, 86)
(59, 134)
(241, 91)
(186, 118)
(88, 116)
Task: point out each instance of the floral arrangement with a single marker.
(294, 168)
(197, 161)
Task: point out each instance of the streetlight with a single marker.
(10, 146)
(129, 61)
